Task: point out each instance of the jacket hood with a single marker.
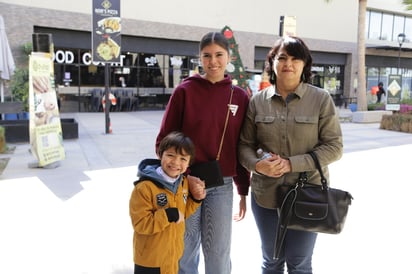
(198, 78)
(146, 170)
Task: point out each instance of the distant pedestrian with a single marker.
(381, 91)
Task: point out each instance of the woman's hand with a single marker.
(242, 209)
(274, 166)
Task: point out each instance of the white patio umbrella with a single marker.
(7, 65)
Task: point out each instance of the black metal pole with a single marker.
(78, 86)
(399, 58)
(106, 96)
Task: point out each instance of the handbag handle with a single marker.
(317, 164)
(285, 213)
(226, 122)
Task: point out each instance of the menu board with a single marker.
(106, 29)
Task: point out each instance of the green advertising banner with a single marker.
(393, 100)
(106, 28)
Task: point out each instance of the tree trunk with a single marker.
(361, 91)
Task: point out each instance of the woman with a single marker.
(198, 108)
(287, 120)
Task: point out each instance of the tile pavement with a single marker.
(74, 219)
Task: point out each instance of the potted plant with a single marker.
(19, 84)
(19, 88)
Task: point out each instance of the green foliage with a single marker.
(408, 4)
(19, 84)
(27, 48)
(19, 87)
(397, 122)
(376, 106)
(407, 101)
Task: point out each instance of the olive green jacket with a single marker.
(306, 121)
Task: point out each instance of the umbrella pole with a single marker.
(2, 95)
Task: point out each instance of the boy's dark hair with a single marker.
(214, 38)
(180, 142)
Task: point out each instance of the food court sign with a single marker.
(106, 40)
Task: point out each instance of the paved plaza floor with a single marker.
(74, 219)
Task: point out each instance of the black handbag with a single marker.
(209, 172)
(310, 207)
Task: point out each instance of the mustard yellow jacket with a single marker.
(158, 241)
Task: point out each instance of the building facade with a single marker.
(160, 41)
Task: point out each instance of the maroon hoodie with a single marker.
(198, 108)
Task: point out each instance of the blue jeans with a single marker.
(211, 227)
(297, 249)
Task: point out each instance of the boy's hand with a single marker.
(181, 218)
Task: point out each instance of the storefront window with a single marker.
(329, 77)
(387, 26)
(374, 75)
(375, 25)
(76, 75)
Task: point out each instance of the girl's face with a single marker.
(173, 163)
(214, 59)
(287, 68)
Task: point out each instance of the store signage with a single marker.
(393, 99)
(106, 28)
(287, 26)
(67, 57)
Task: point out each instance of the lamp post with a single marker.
(401, 39)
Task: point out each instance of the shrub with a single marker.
(376, 106)
(19, 87)
(398, 122)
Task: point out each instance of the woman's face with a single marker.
(287, 68)
(214, 59)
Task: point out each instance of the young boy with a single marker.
(160, 202)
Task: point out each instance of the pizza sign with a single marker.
(106, 29)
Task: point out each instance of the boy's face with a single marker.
(174, 163)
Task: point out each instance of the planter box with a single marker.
(397, 122)
(371, 116)
(18, 130)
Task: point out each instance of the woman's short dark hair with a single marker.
(214, 38)
(182, 144)
(295, 47)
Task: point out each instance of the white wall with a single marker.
(315, 18)
(336, 20)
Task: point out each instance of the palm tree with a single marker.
(408, 4)
(361, 90)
